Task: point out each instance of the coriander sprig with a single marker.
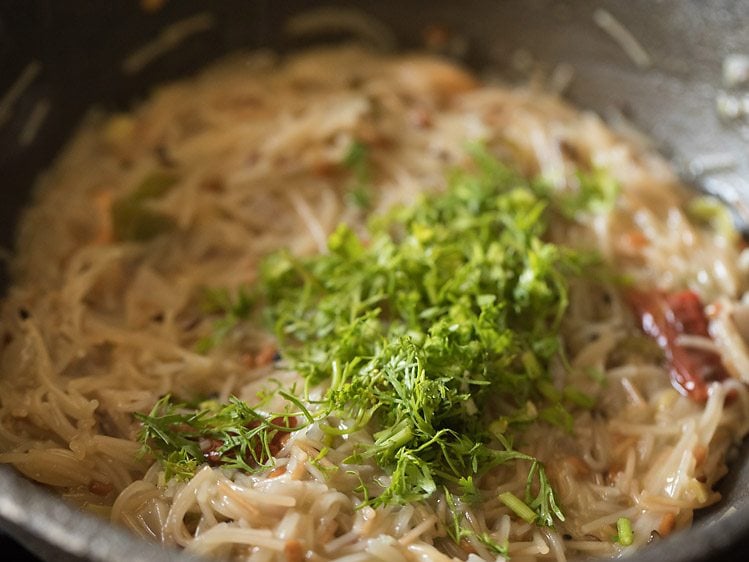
(233, 435)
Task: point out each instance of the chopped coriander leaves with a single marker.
(544, 503)
(709, 212)
(578, 397)
(233, 435)
(436, 332)
(357, 161)
(459, 531)
(438, 329)
(596, 193)
(232, 309)
(132, 218)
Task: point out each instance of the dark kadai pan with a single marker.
(667, 68)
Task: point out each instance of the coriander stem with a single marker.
(624, 528)
(518, 506)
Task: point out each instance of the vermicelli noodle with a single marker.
(253, 155)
